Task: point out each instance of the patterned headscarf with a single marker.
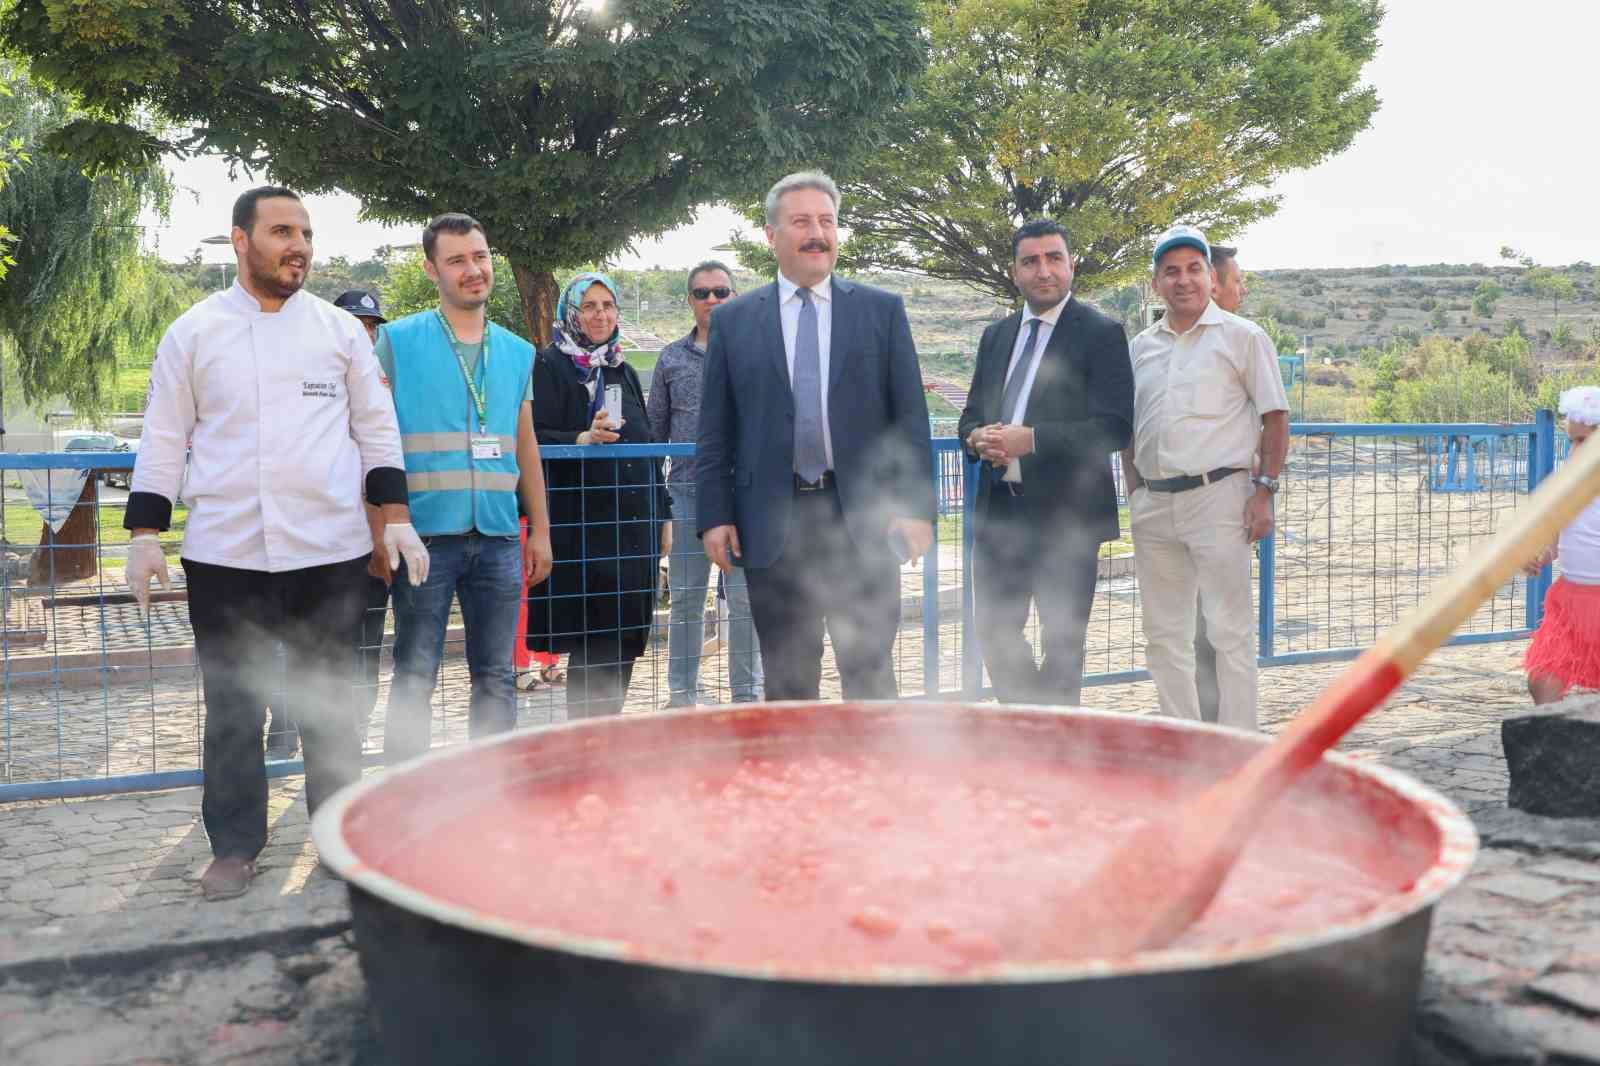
(587, 354)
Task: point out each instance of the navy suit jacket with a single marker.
(1081, 410)
(877, 419)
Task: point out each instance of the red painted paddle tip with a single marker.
(1161, 881)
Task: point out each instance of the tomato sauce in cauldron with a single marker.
(820, 863)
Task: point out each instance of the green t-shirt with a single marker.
(470, 352)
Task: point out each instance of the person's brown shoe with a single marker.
(227, 877)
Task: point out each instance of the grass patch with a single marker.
(129, 388)
(22, 525)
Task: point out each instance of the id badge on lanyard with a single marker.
(484, 445)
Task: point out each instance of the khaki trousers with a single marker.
(1189, 543)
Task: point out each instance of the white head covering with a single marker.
(1582, 404)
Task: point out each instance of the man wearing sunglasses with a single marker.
(674, 410)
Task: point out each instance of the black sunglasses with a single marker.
(722, 292)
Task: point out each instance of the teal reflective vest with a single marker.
(451, 492)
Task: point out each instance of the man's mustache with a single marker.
(816, 246)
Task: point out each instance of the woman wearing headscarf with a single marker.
(606, 515)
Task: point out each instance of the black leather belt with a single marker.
(1192, 481)
(822, 484)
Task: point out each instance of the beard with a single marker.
(471, 301)
(264, 276)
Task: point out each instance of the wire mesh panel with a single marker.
(90, 687)
(1369, 518)
(97, 697)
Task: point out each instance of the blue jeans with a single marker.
(689, 573)
(486, 574)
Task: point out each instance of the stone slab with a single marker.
(1581, 990)
(1551, 753)
(1525, 889)
(1504, 827)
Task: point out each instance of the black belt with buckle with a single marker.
(1192, 481)
(822, 484)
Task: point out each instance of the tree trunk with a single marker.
(538, 291)
(71, 554)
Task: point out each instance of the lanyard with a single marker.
(479, 400)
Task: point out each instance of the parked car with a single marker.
(104, 442)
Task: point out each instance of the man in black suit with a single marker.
(815, 472)
(1051, 399)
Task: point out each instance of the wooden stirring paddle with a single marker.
(1159, 882)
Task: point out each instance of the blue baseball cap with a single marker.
(1179, 237)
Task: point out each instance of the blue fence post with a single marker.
(971, 658)
(1266, 606)
(1541, 461)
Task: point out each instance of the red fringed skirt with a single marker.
(1567, 643)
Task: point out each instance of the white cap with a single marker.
(1581, 404)
(1181, 236)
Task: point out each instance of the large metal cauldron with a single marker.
(451, 986)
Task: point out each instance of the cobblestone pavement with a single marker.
(108, 957)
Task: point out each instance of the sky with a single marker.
(1484, 138)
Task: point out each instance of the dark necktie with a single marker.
(1019, 374)
(810, 457)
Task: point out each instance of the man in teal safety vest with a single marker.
(462, 392)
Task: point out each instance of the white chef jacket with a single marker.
(282, 414)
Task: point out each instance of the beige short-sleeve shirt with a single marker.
(1198, 396)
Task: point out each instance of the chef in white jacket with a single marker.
(275, 401)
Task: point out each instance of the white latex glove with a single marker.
(400, 539)
(146, 561)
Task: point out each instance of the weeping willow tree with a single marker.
(81, 293)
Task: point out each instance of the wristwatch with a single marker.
(1268, 483)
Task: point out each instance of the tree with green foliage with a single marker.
(82, 293)
(1117, 117)
(1552, 285)
(1551, 386)
(1565, 338)
(569, 131)
(1484, 297)
(1513, 356)
(1284, 340)
(1385, 380)
(1473, 393)
(1127, 304)
(13, 153)
(1439, 319)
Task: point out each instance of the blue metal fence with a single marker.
(95, 699)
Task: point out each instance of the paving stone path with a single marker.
(107, 956)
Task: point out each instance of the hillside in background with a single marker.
(1506, 331)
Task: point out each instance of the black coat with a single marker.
(1081, 410)
(605, 521)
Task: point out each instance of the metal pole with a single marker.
(971, 656)
(1541, 460)
(1267, 604)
